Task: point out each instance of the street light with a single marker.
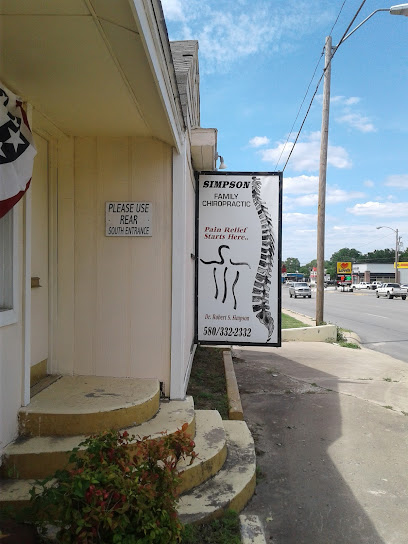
(400, 9)
(397, 241)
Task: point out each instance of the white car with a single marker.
(361, 285)
(300, 289)
(391, 290)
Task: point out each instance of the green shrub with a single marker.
(116, 490)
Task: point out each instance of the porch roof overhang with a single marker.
(93, 67)
(204, 148)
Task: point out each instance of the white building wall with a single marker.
(12, 354)
(189, 324)
(122, 285)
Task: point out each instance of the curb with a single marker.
(234, 400)
(352, 337)
(321, 333)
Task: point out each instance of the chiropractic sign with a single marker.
(239, 258)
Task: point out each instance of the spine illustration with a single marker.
(262, 283)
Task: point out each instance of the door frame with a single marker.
(50, 133)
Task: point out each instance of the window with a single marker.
(8, 265)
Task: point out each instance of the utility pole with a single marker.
(321, 211)
(396, 256)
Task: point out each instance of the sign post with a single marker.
(239, 258)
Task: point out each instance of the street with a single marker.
(380, 323)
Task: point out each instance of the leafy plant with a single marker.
(116, 490)
(342, 340)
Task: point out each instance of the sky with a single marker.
(257, 60)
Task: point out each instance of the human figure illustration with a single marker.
(221, 269)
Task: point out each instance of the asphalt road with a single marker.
(381, 324)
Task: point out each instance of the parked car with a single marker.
(391, 290)
(361, 285)
(300, 289)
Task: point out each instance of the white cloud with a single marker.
(344, 101)
(303, 219)
(306, 155)
(348, 115)
(380, 209)
(228, 31)
(339, 100)
(333, 196)
(400, 181)
(300, 184)
(369, 183)
(258, 141)
(358, 121)
(305, 200)
(173, 10)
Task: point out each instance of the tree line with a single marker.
(345, 254)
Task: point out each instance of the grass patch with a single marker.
(289, 322)
(260, 475)
(225, 530)
(342, 341)
(207, 382)
(350, 345)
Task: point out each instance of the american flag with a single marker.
(17, 150)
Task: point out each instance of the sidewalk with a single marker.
(365, 374)
(330, 430)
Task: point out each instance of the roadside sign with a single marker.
(344, 268)
(239, 258)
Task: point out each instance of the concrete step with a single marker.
(211, 448)
(231, 487)
(210, 440)
(81, 405)
(15, 493)
(40, 456)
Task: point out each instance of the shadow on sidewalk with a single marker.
(301, 497)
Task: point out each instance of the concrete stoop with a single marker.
(222, 476)
(77, 405)
(39, 456)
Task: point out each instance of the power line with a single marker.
(320, 80)
(300, 107)
(337, 18)
(307, 90)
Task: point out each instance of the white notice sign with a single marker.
(128, 219)
(239, 258)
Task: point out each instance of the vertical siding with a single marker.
(63, 259)
(122, 285)
(190, 266)
(85, 206)
(39, 253)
